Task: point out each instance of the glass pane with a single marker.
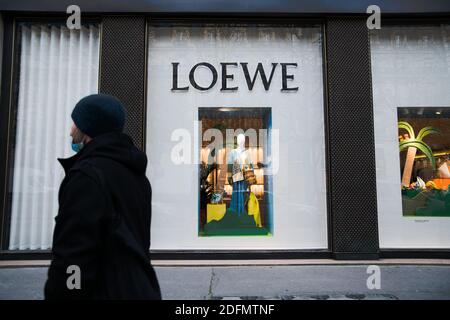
(58, 66)
(264, 191)
(411, 73)
(235, 187)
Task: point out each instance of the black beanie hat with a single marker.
(99, 113)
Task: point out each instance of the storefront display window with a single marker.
(235, 192)
(235, 137)
(424, 142)
(411, 73)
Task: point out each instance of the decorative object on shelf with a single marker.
(206, 187)
(217, 197)
(431, 185)
(413, 143)
(443, 171)
(420, 183)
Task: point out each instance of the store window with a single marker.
(56, 67)
(235, 137)
(411, 73)
(235, 187)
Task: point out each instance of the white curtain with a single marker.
(58, 66)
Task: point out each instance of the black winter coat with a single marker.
(103, 224)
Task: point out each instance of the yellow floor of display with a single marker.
(215, 211)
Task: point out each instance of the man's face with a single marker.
(76, 134)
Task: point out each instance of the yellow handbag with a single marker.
(253, 209)
(249, 176)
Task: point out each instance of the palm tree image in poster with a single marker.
(424, 147)
(413, 143)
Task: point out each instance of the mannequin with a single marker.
(238, 160)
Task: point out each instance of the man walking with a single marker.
(101, 239)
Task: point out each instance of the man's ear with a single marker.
(86, 138)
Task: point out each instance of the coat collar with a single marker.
(86, 151)
(68, 163)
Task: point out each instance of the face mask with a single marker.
(77, 146)
(77, 136)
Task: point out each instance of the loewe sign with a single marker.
(226, 75)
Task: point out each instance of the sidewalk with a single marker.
(339, 281)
